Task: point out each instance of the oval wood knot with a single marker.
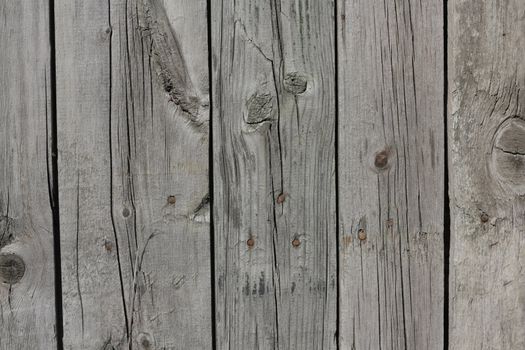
(508, 154)
(172, 200)
(260, 108)
(125, 212)
(381, 159)
(295, 83)
(145, 340)
(12, 268)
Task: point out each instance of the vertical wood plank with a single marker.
(133, 153)
(274, 173)
(27, 304)
(487, 173)
(391, 170)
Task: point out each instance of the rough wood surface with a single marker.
(391, 171)
(133, 155)
(487, 174)
(274, 173)
(27, 309)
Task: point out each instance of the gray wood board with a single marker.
(487, 174)
(391, 174)
(133, 156)
(27, 302)
(274, 174)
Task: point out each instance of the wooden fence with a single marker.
(262, 174)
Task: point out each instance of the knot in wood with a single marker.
(145, 340)
(260, 108)
(125, 212)
(7, 236)
(172, 200)
(361, 234)
(508, 154)
(381, 159)
(296, 242)
(12, 268)
(295, 83)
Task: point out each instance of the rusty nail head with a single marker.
(172, 199)
(250, 242)
(281, 198)
(484, 217)
(296, 242)
(361, 234)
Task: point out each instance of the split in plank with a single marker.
(27, 308)
(487, 174)
(274, 174)
(391, 174)
(132, 102)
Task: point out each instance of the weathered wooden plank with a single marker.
(26, 228)
(487, 157)
(27, 307)
(391, 173)
(133, 153)
(274, 173)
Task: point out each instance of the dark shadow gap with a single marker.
(59, 325)
(210, 179)
(446, 217)
(336, 145)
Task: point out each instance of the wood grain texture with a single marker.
(274, 173)
(27, 308)
(391, 173)
(133, 157)
(486, 133)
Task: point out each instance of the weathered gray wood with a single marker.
(133, 154)
(27, 304)
(391, 174)
(274, 173)
(487, 158)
